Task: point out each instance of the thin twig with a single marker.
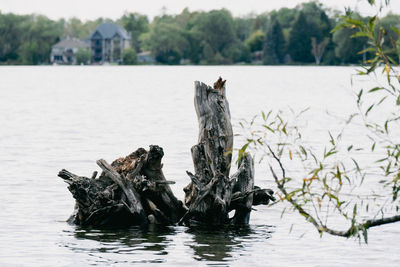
(354, 228)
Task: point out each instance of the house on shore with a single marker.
(107, 42)
(64, 51)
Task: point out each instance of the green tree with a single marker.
(261, 22)
(299, 46)
(167, 41)
(11, 32)
(315, 14)
(82, 56)
(129, 56)
(243, 27)
(256, 41)
(136, 24)
(27, 39)
(39, 34)
(213, 30)
(285, 16)
(74, 28)
(236, 52)
(347, 48)
(195, 47)
(321, 25)
(274, 45)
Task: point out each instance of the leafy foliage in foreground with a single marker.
(332, 185)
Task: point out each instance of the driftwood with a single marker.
(130, 191)
(133, 190)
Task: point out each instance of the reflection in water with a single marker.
(221, 243)
(106, 244)
(156, 244)
(135, 237)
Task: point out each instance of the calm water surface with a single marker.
(68, 117)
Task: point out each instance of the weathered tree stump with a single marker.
(133, 190)
(130, 191)
(211, 195)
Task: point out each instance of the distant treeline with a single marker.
(300, 35)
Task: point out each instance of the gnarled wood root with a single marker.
(130, 191)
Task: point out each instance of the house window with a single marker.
(58, 58)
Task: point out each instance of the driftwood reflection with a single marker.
(219, 244)
(130, 240)
(155, 244)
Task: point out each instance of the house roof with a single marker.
(109, 30)
(70, 43)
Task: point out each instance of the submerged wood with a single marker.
(133, 189)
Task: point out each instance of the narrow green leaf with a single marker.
(332, 140)
(284, 129)
(369, 49)
(359, 96)
(268, 128)
(330, 153)
(396, 30)
(338, 27)
(381, 101)
(371, 23)
(369, 109)
(354, 210)
(375, 89)
(360, 34)
(253, 120)
(381, 160)
(283, 212)
(365, 234)
(354, 22)
(242, 151)
(391, 59)
(356, 164)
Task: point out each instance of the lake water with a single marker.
(68, 117)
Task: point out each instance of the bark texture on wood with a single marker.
(211, 195)
(133, 189)
(243, 190)
(130, 191)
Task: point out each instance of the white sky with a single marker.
(91, 9)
